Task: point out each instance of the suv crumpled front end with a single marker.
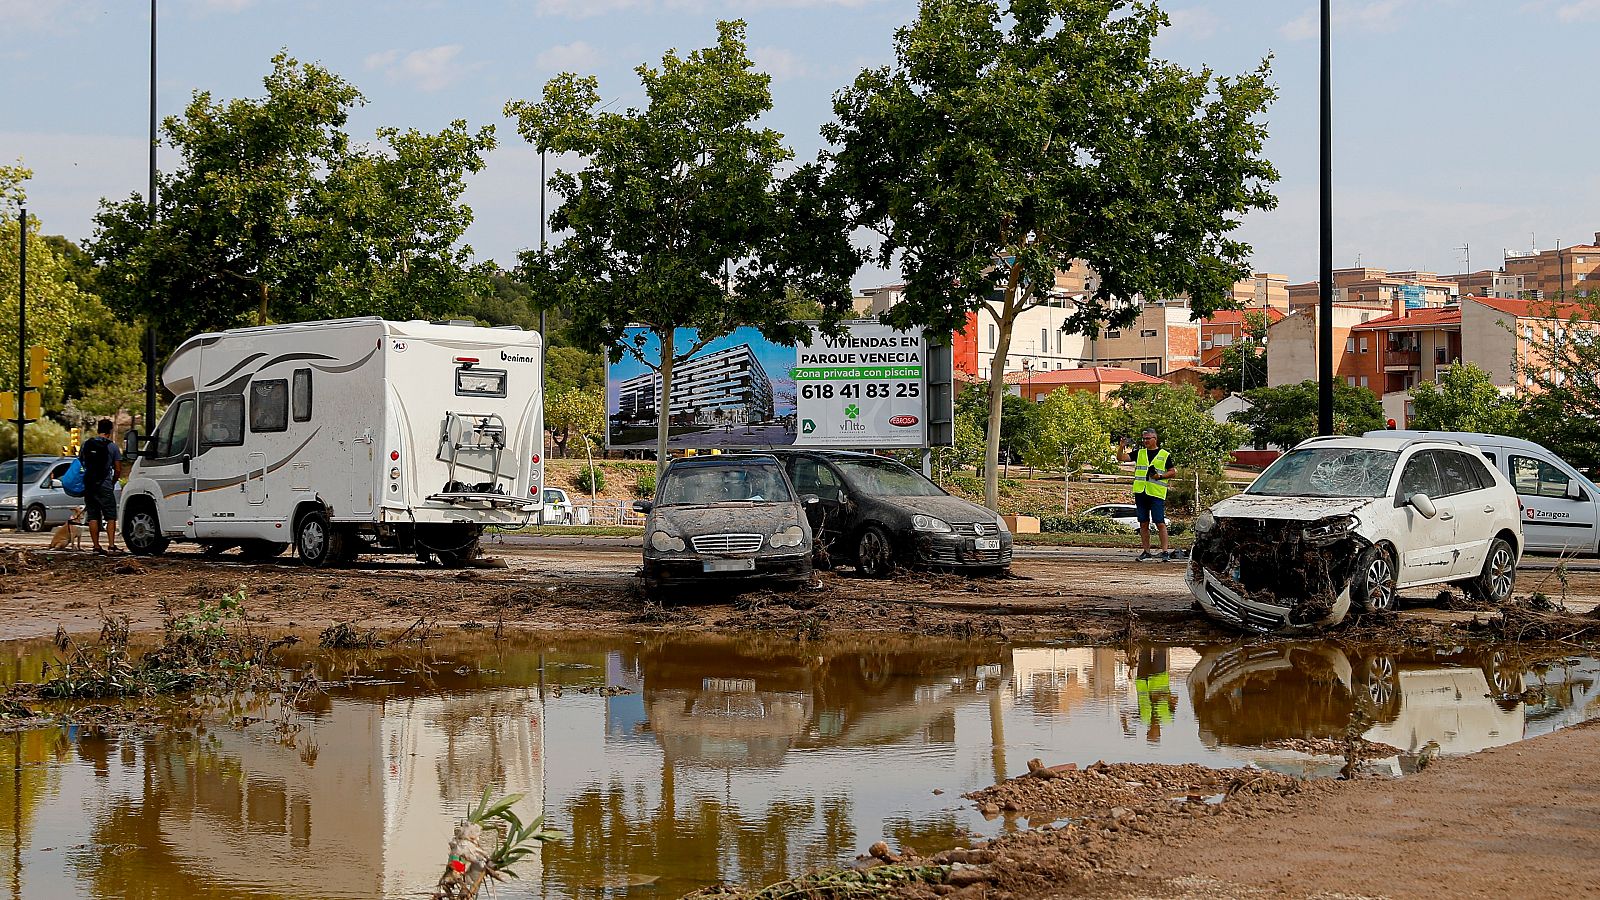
(1277, 564)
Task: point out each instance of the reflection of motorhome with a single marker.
(361, 805)
(337, 435)
(727, 387)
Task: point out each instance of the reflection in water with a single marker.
(672, 763)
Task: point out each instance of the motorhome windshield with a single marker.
(1328, 472)
(709, 485)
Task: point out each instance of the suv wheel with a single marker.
(1373, 588)
(33, 519)
(1499, 576)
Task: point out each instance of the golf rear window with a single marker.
(472, 382)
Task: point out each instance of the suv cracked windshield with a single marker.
(1328, 472)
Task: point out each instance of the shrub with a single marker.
(45, 437)
(1081, 524)
(646, 485)
(591, 479)
(966, 484)
(1214, 486)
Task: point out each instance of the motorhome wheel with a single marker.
(318, 543)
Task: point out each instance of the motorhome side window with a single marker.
(302, 395)
(1537, 478)
(269, 405)
(221, 420)
(472, 382)
(172, 435)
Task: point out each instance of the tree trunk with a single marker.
(261, 314)
(997, 399)
(664, 406)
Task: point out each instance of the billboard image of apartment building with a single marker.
(726, 387)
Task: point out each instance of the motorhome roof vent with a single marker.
(452, 322)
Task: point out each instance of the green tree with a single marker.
(575, 412)
(1244, 362)
(272, 214)
(1183, 420)
(1069, 429)
(1560, 406)
(1464, 399)
(103, 370)
(54, 299)
(1010, 139)
(678, 219)
(1284, 416)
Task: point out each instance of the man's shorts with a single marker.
(1151, 509)
(100, 502)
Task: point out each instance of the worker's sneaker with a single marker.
(1146, 556)
(1164, 557)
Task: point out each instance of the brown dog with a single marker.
(69, 532)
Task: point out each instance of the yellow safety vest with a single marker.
(1143, 481)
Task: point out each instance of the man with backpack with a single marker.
(100, 457)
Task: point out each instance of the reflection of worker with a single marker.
(1152, 466)
(1153, 683)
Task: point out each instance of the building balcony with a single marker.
(1402, 359)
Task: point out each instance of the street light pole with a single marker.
(149, 325)
(1325, 288)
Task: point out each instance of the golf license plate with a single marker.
(987, 543)
(728, 565)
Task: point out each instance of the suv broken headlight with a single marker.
(1330, 530)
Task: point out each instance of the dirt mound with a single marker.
(1104, 788)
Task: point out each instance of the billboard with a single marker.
(868, 389)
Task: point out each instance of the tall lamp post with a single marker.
(1325, 287)
(149, 326)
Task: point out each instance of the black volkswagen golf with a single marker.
(879, 514)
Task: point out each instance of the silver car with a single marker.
(44, 502)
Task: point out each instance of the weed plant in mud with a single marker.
(212, 647)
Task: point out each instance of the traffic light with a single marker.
(8, 405)
(38, 366)
(76, 442)
(32, 408)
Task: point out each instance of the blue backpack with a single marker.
(72, 479)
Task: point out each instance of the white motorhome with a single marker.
(342, 436)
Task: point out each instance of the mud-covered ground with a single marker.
(1086, 597)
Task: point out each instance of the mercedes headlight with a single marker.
(666, 543)
(787, 537)
(921, 522)
(1331, 529)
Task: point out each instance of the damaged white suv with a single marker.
(1342, 521)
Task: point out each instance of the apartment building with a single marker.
(1262, 290)
(1377, 287)
(1292, 344)
(1502, 337)
(729, 386)
(1227, 327)
(1488, 283)
(1567, 271)
(1102, 381)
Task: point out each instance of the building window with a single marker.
(993, 340)
(1349, 345)
(1113, 333)
(1439, 355)
(1148, 332)
(1044, 340)
(1364, 381)
(1150, 368)
(1363, 345)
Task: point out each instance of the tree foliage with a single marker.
(1560, 405)
(1464, 399)
(1181, 418)
(1008, 140)
(1244, 362)
(1069, 429)
(575, 413)
(273, 214)
(53, 296)
(678, 218)
(1284, 416)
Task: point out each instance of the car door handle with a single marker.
(1488, 509)
(1445, 517)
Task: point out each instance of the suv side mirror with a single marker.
(643, 506)
(1574, 491)
(1423, 504)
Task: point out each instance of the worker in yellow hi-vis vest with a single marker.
(1152, 468)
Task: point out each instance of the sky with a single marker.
(1458, 123)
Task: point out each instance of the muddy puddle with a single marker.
(672, 763)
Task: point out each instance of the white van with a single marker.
(1560, 507)
(342, 436)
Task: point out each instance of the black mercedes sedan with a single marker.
(878, 514)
